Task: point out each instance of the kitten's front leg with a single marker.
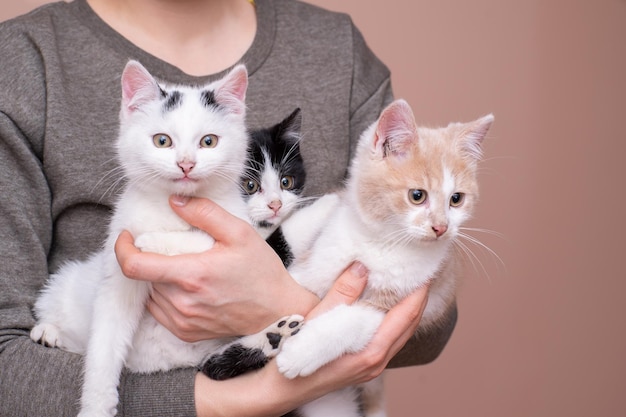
(344, 329)
(118, 308)
(251, 352)
(175, 242)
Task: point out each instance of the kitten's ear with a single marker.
(231, 90)
(473, 135)
(395, 129)
(138, 87)
(291, 126)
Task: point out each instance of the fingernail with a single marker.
(359, 269)
(179, 200)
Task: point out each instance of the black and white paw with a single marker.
(251, 352)
(275, 335)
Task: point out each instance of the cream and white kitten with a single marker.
(410, 190)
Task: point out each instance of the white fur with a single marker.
(304, 226)
(91, 307)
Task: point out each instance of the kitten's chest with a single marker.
(142, 213)
(396, 272)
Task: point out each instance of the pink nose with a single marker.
(440, 230)
(275, 205)
(186, 166)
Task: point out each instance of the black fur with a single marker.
(279, 244)
(208, 98)
(173, 99)
(235, 360)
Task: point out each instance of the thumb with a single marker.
(210, 217)
(346, 289)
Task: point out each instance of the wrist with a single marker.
(299, 300)
(255, 394)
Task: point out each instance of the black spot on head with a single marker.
(172, 100)
(207, 97)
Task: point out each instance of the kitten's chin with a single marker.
(267, 224)
(185, 187)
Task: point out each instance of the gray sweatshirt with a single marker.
(60, 70)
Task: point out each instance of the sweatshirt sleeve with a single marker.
(371, 93)
(35, 380)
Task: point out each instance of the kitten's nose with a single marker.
(275, 205)
(186, 166)
(440, 230)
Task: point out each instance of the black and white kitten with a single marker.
(274, 179)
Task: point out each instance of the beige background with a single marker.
(541, 329)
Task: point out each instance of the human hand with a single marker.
(238, 287)
(267, 392)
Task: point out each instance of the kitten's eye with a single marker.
(209, 141)
(417, 196)
(457, 199)
(161, 140)
(250, 186)
(286, 182)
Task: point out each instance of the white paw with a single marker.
(46, 334)
(344, 329)
(299, 356)
(100, 406)
(96, 413)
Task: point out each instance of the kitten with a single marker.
(182, 140)
(274, 179)
(410, 190)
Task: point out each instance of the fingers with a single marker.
(178, 322)
(201, 213)
(209, 217)
(401, 322)
(346, 289)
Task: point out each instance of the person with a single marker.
(59, 103)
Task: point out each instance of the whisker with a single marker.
(472, 258)
(464, 237)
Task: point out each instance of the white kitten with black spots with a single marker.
(182, 140)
